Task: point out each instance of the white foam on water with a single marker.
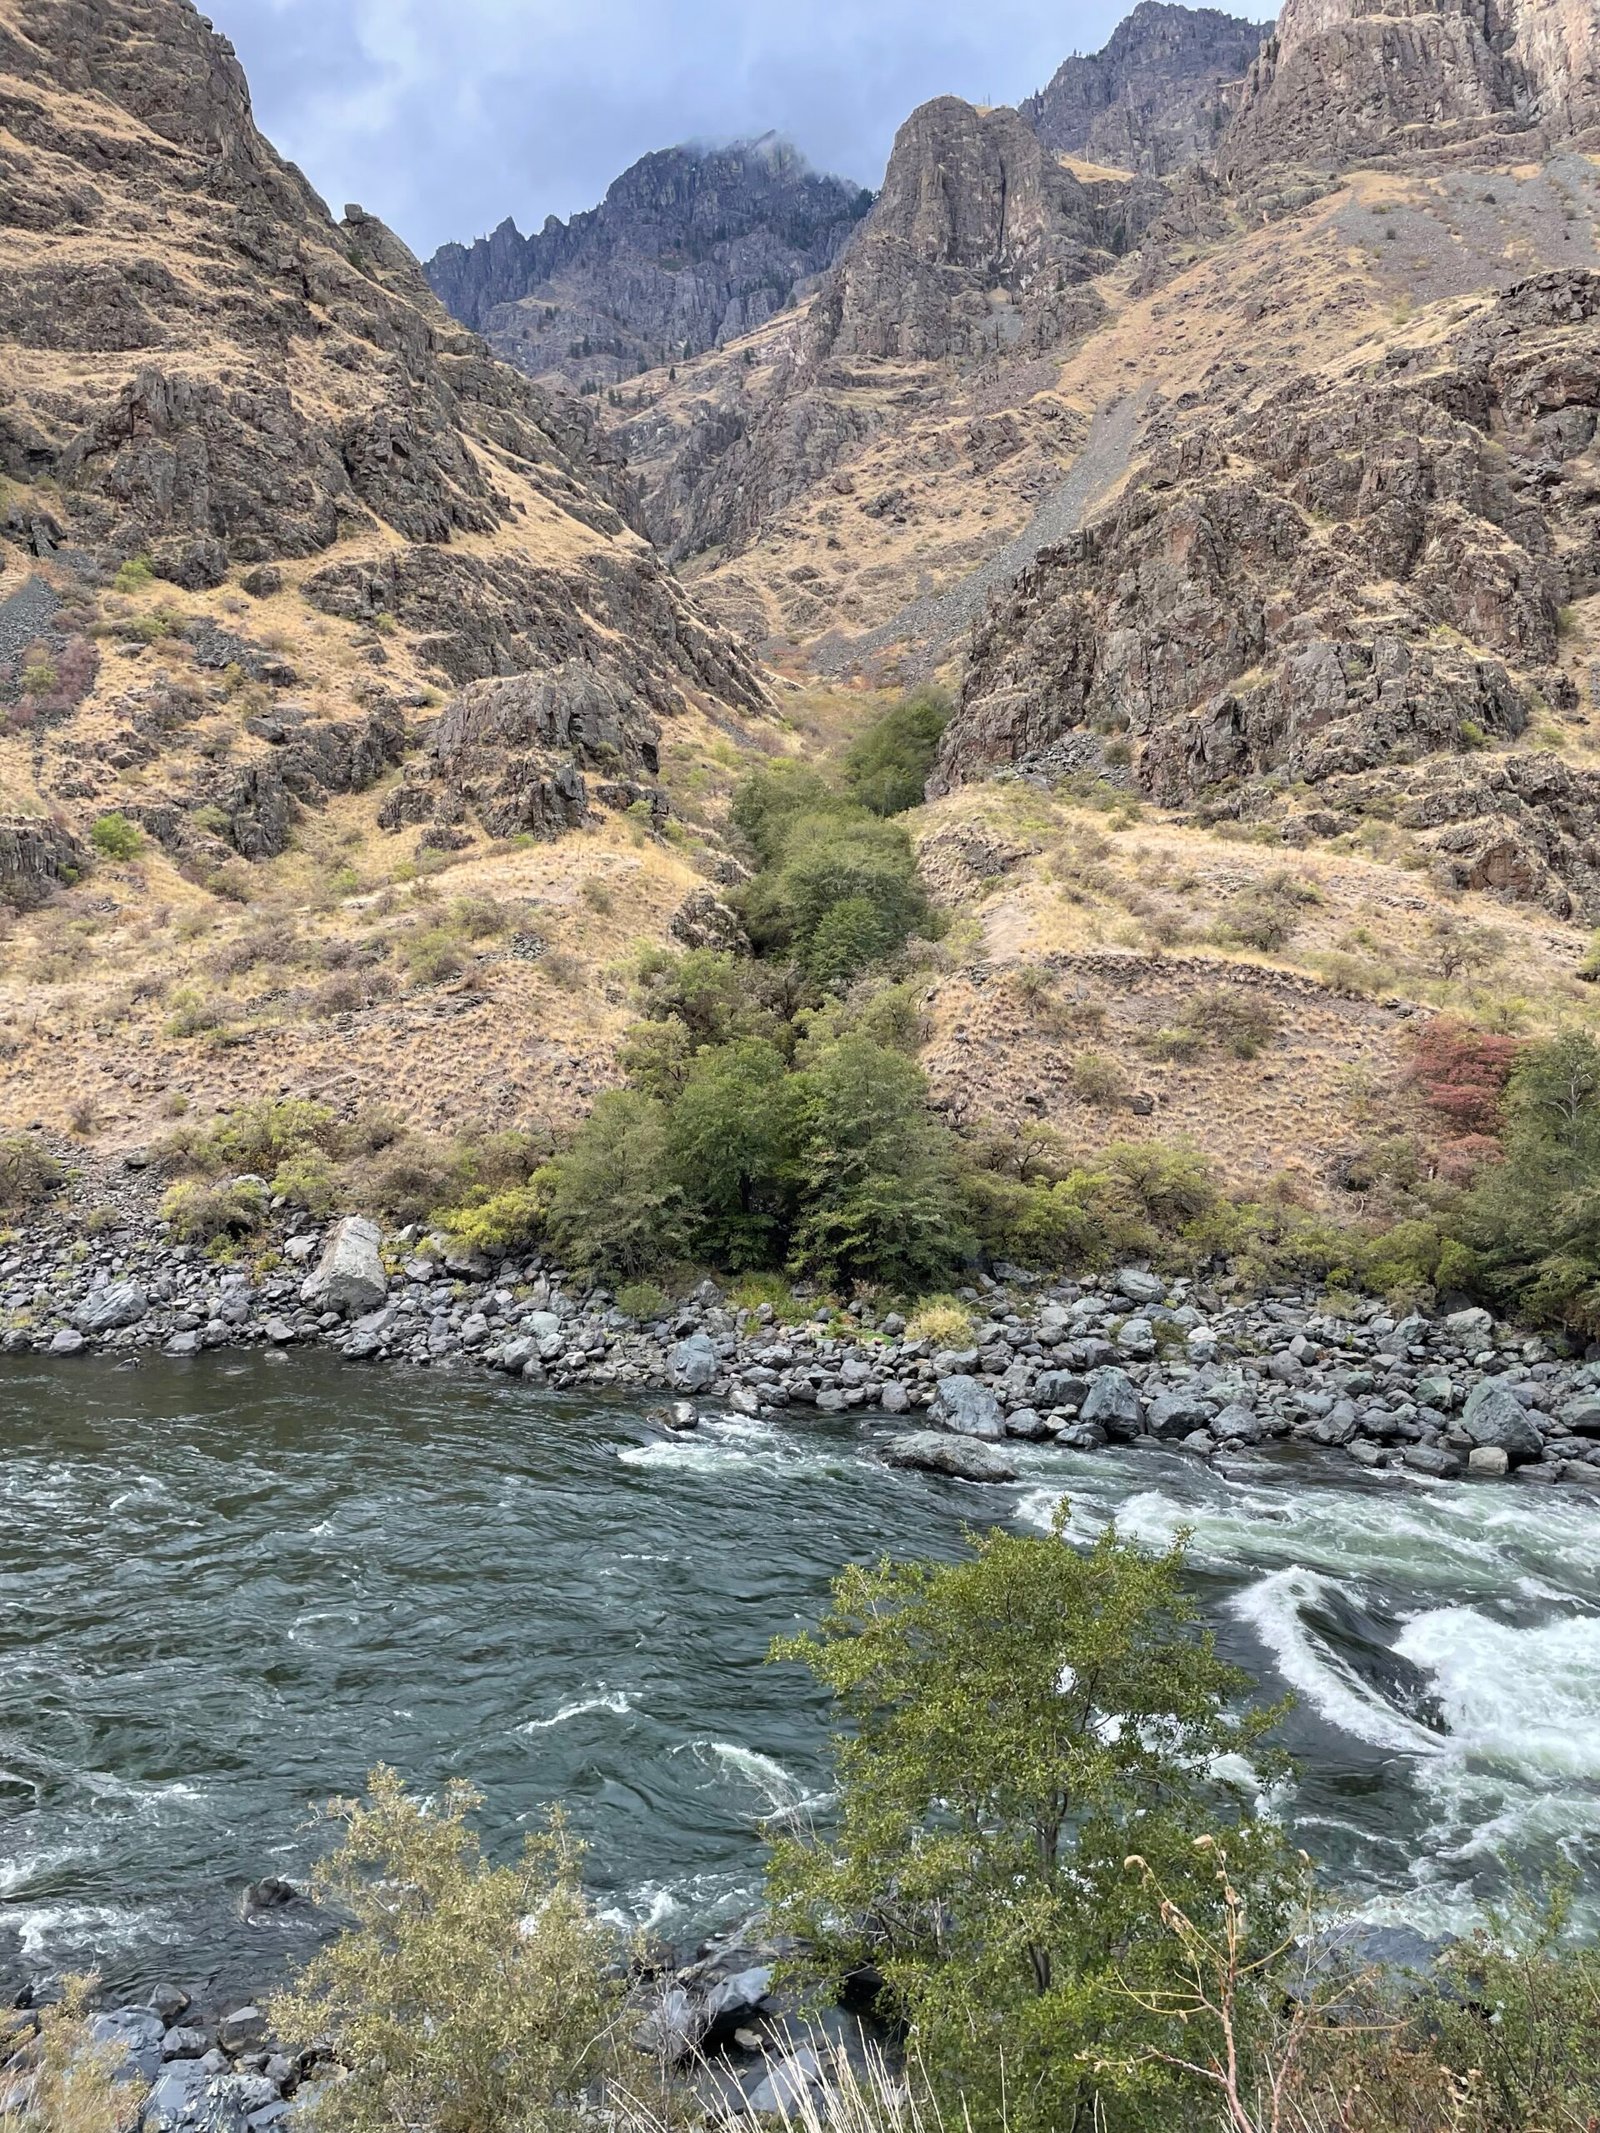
(37, 1929)
(1520, 1699)
(786, 1799)
(733, 1444)
(1273, 1607)
(612, 1700)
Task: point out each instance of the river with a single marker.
(228, 1587)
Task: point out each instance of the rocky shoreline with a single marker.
(713, 2016)
(1120, 1358)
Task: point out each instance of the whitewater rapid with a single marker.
(228, 1590)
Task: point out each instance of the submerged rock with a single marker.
(962, 1458)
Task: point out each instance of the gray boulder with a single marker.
(894, 1398)
(940, 1452)
(1175, 1414)
(1114, 1403)
(968, 1408)
(693, 1364)
(135, 2032)
(349, 1276)
(1139, 1285)
(1237, 1425)
(1496, 1417)
(1488, 1461)
(1582, 1416)
(1059, 1388)
(67, 1342)
(123, 1303)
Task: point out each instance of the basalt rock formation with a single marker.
(1357, 574)
(689, 249)
(206, 377)
(1342, 82)
(982, 248)
(1158, 96)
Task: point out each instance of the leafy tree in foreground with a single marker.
(463, 1997)
(1011, 1728)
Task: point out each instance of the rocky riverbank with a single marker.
(1128, 1356)
(713, 2016)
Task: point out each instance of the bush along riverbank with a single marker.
(1116, 1358)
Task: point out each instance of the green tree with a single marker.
(888, 764)
(460, 1996)
(715, 996)
(1011, 1728)
(731, 1133)
(611, 1199)
(1534, 1219)
(881, 1178)
(768, 801)
(829, 859)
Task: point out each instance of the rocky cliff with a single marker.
(689, 249)
(1157, 98)
(1347, 592)
(1342, 82)
(316, 495)
(979, 258)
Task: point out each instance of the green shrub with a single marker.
(731, 1137)
(200, 1213)
(115, 837)
(136, 573)
(841, 855)
(309, 1180)
(264, 1135)
(888, 764)
(881, 1179)
(1266, 915)
(39, 677)
(644, 1301)
(941, 1320)
(504, 1221)
(768, 802)
(1008, 1729)
(458, 1995)
(1099, 1080)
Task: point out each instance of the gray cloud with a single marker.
(444, 116)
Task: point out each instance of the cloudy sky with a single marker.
(444, 116)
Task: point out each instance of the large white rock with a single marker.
(349, 1275)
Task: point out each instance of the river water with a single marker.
(227, 1588)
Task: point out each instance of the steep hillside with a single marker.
(295, 579)
(1157, 97)
(266, 495)
(689, 249)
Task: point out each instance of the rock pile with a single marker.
(1114, 1360)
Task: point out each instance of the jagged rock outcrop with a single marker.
(981, 247)
(214, 376)
(522, 754)
(1157, 97)
(980, 241)
(1342, 82)
(1356, 571)
(689, 249)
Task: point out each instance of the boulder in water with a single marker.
(1488, 1461)
(1494, 1416)
(943, 1452)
